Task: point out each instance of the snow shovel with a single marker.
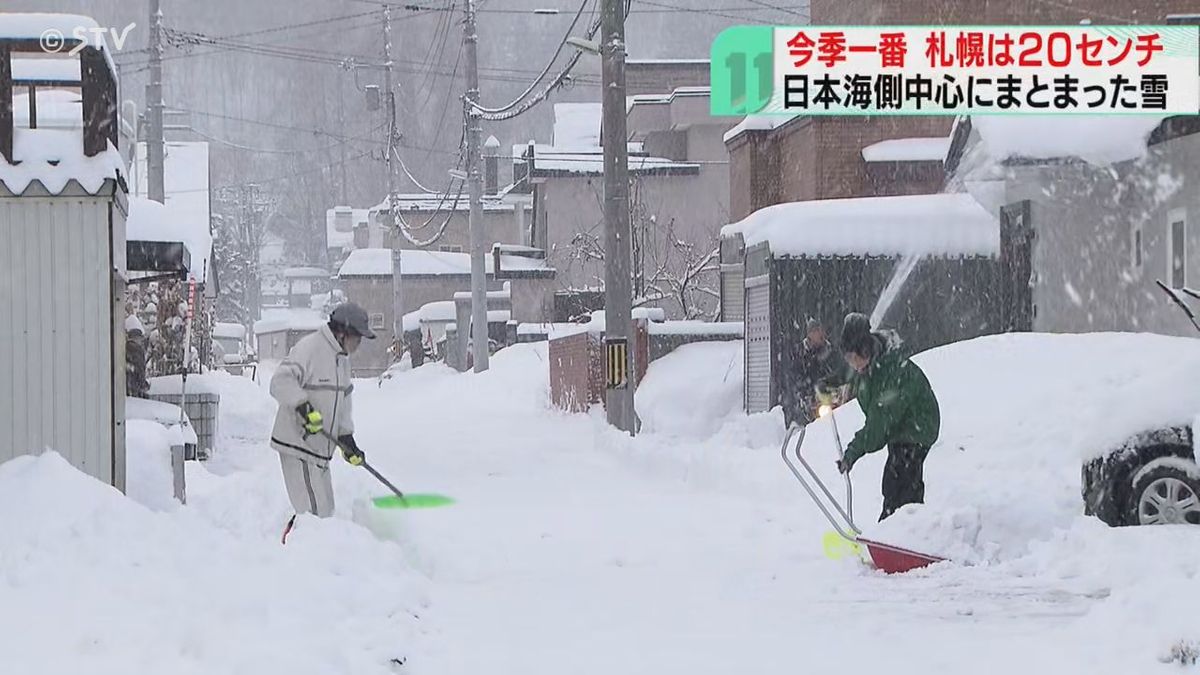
(887, 558)
(397, 500)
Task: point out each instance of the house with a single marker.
(280, 328)
(440, 222)
(63, 206)
(930, 266)
(1105, 207)
(305, 282)
(341, 222)
(678, 201)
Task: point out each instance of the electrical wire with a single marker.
(542, 75)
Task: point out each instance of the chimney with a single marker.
(491, 166)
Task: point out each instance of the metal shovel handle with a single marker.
(845, 526)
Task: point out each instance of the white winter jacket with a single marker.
(316, 371)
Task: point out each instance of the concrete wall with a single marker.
(1086, 278)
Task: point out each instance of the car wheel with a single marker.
(1164, 493)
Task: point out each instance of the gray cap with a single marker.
(354, 318)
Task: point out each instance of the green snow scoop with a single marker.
(397, 500)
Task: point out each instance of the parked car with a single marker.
(1150, 479)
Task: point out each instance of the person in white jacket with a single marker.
(313, 388)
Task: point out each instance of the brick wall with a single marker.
(574, 369)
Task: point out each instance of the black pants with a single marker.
(903, 477)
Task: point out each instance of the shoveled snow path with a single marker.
(575, 550)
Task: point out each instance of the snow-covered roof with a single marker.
(289, 318)
(63, 70)
(908, 150)
(234, 331)
(186, 185)
(54, 158)
(695, 328)
(368, 262)
(587, 161)
(577, 124)
(499, 315)
(306, 273)
(940, 224)
(442, 310)
(757, 123)
(1098, 139)
(152, 221)
(343, 237)
(427, 202)
(34, 25)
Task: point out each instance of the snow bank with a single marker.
(197, 383)
(1098, 139)
(1006, 471)
(95, 583)
(692, 391)
(148, 476)
(171, 417)
(695, 328)
(907, 150)
(939, 224)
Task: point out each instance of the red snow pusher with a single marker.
(890, 559)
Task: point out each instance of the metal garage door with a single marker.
(733, 297)
(758, 344)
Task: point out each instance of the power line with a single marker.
(785, 10)
(542, 75)
(273, 151)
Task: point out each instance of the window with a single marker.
(377, 321)
(450, 248)
(1177, 248)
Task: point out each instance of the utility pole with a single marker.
(390, 102)
(155, 152)
(618, 291)
(479, 324)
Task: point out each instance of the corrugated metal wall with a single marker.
(57, 340)
(758, 344)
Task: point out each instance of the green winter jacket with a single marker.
(899, 405)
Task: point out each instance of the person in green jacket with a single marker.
(901, 413)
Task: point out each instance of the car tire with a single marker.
(1165, 492)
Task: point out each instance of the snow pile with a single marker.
(54, 157)
(148, 476)
(692, 391)
(1098, 139)
(938, 224)
(908, 150)
(695, 328)
(95, 583)
(170, 417)
(1005, 472)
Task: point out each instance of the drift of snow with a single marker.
(937, 224)
(1005, 473)
(1098, 139)
(148, 477)
(688, 394)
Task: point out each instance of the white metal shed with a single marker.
(62, 220)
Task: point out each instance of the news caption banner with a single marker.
(956, 70)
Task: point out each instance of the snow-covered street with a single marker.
(571, 549)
